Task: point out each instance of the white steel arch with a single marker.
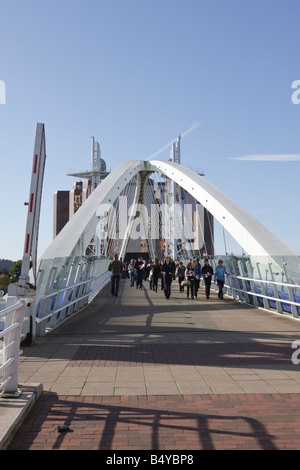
(75, 236)
(255, 239)
(244, 228)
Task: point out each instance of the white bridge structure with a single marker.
(64, 280)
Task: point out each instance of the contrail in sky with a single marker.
(270, 158)
(185, 133)
(191, 129)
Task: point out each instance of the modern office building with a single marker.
(61, 211)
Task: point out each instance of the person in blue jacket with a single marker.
(220, 272)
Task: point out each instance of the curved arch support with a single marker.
(75, 236)
(255, 239)
(244, 228)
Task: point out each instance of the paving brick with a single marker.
(164, 376)
(176, 424)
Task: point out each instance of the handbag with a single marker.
(186, 282)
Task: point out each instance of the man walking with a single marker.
(220, 277)
(207, 272)
(155, 274)
(115, 267)
(197, 275)
(167, 272)
(139, 267)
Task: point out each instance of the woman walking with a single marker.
(189, 275)
(180, 274)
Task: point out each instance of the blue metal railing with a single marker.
(245, 283)
(65, 286)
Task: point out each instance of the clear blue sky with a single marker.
(136, 73)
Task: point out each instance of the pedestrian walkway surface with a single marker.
(140, 372)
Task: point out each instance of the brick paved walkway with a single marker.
(188, 422)
(145, 373)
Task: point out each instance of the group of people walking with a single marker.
(167, 270)
(141, 270)
(190, 276)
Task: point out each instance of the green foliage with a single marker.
(4, 281)
(15, 270)
(5, 265)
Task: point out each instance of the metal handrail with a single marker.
(12, 308)
(54, 312)
(14, 315)
(66, 288)
(290, 302)
(265, 281)
(257, 294)
(79, 302)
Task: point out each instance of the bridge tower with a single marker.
(177, 236)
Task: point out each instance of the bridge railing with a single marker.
(12, 315)
(65, 286)
(272, 284)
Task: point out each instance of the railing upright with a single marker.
(290, 291)
(263, 288)
(252, 284)
(276, 292)
(13, 315)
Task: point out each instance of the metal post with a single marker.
(276, 293)
(265, 301)
(242, 271)
(34, 204)
(290, 291)
(250, 270)
(12, 347)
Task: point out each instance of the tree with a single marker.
(4, 281)
(15, 270)
(6, 264)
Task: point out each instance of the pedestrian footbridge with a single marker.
(141, 372)
(66, 278)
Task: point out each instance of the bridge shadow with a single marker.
(100, 425)
(141, 328)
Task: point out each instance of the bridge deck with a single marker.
(144, 372)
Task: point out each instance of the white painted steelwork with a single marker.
(25, 286)
(55, 293)
(253, 237)
(34, 205)
(271, 295)
(13, 316)
(64, 287)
